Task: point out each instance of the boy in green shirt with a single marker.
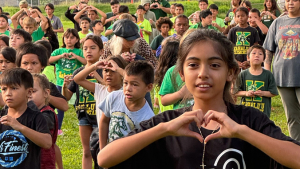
(143, 23)
(85, 26)
(216, 22)
(205, 21)
(4, 25)
(179, 10)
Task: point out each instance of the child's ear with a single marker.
(181, 75)
(149, 87)
(248, 58)
(29, 92)
(47, 93)
(230, 75)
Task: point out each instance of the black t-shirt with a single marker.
(55, 92)
(85, 102)
(262, 36)
(17, 151)
(186, 152)
(243, 39)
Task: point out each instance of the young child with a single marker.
(55, 21)
(230, 14)
(143, 23)
(4, 41)
(18, 17)
(163, 24)
(195, 17)
(216, 22)
(124, 110)
(179, 10)
(203, 4)
(85, 28)
(256, 85)
(270, 12)
(18, 37)
(229, 132)
(205, 21)
(172, 10)
(4, 25)
(40, 97)
(7, 58)
(24, 131)
(98, 29)
(243, 37)
(246, 4)
(255, 22)
(92, 14)
(31, 26)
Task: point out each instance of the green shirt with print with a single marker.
(5, 33)
(81, 35)
(66, 66)
(37, 34)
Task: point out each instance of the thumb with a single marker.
(212, 136)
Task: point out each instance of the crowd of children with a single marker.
(202, 64)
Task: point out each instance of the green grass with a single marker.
(70, 144)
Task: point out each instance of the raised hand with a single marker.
(67, 80)
(101, 64)
(112, 65)
(72, 56)
(12, 122)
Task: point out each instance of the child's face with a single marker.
(23, 6)
(207, 20)
(196, 18)
(112, 78)
(3, 23)
(39, 95)
(16, 40)
(99, 27)
(181, 25)
(179, 11)
(268, 4)
(241, 17)
(214, 12)
(84, 25)
(172, 10)
(253, 17)
(140, 12)
(92, 15)
(5, 64)
(2, 44)
(21, 20)
(256, 57)
(70, 40)
(15, 96)
(134, 88)
(91, 51)
(48, 10)
(29, 28)
(203, 6)
(115, 8)
(31, 63)
(205, 74)
(292, 6)
(164, 28)
(235, 2)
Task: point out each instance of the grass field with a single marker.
(70, 144)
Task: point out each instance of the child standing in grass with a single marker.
(143, 23)
(256, 85)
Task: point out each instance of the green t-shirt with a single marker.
(162, 108)
(171, 84)
(220, 22)
(19, 27)
(37, 34)
(66, 66)
(81, 35)
(199, 26)
(156, 42)
(267, 20)
(159, 12)
(172, 31)
(264, 82)
(50, 74)
(5, 33)
(146, 26)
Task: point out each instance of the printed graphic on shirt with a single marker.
(242, 42)
(86, 100)
(119, 126)
(13, 148)
(231, 15)
(256, 101)
(67, 65)
(236, 159)
(289, 44)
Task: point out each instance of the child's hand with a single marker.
(128, 57)
(101, 64)
(227, 19)
(246, 64)
(73, 56)
(112, 65)
(214, 24)
(12, 122)
(67, 80)
(250, 93)
(64, 55)
(259, 93)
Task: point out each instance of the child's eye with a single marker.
(215, 65)
(192, 64)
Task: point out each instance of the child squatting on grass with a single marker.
(214, 132)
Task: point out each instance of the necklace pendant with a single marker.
(202, 166)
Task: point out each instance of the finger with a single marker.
(212, 136)
(195, 135)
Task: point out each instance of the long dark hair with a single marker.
(74, 32)
(167, 59)
(221, 44)
(49, 30)
(274, 6)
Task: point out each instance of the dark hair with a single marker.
(254, 10)
(27, 37)
(204, 14)
(47, 45)
(256, 47)
(85, 19)
(35, 7)
(20, 16)
(123, 9)
(50, 5)
(141, 7)
(248, 4)
(221, 45)
(166, 60)
(31, 48)
(1, 9)
(141, 68)
(181, 16)
(241, 8)
(206, 1)
(4, 16)
(16, 76)
(114, 2)
(9, 53)
(74, 33)
(179, 5)
(174, 4)
(163, 20)
(133, 16)
(5, 39)
(96, 39)
(49, 30)
(274, 6)
(119, 61)
(214, 6)
(94, 23)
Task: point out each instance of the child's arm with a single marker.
(78, 15)
(264, 93)
(104, 16)
(249, 93)
(14, 18)
(53, 59)
(44, 23)
(110, 19)
(218, 27)
(264, 29)
(80, 59)
(43, 140)
(268, 60)
(59, 103)
(108, 32)
(65, 91)
(103, 130)
(172, 98)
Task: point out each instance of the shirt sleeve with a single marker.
(269, 43)
(50, 118)
(166, 86)
(59, 24)
(229, 36)
(41, 124)
(256, 36)
(153, 44)
(54, 91)
(105, 106)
